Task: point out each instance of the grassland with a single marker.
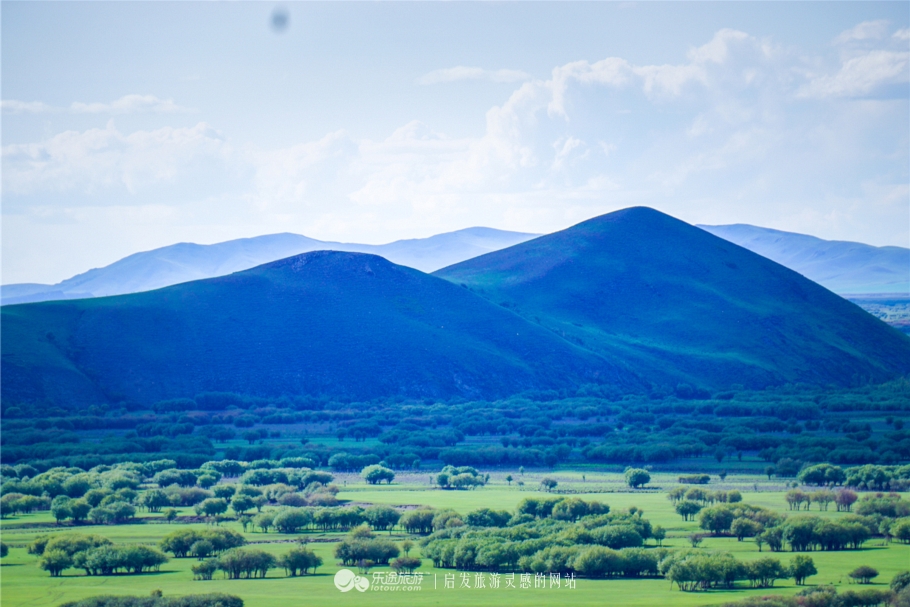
(23, 584)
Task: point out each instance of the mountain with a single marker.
(843, 267)
(186, 261)
(341, 324)
(679, 305)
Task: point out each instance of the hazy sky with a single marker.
(128, 126)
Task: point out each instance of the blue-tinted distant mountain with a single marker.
(339, 324)
(843, 267)
(678, 304)
(186, 261)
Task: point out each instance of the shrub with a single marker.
(863, 574)
(375, 474)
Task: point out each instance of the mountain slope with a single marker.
(680, 305)
(186, 261)
(342, 324)
(843, 267)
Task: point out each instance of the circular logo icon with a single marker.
(346, 580)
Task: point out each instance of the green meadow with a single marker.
(23, 584)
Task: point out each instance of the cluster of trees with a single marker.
(294, 520)
(460, 477)
(697, 570)
(688, 502)
(375, 474)
(248, 563)
(542, 535)
(200, 542)
(362, 548)
(804, 533)
(843, 499)
(95, 554)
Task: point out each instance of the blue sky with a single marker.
(127, 126)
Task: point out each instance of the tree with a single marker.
(863, 574)
(61, 510)
(637, 477)
(205, 570)
(299, 561)
(55, 562)
(213, 506)
(659, 534)
(901, 530)
(900, 581)
(4, 550)
(170, 515)
(382, 517)
(224, 491)
(716, 519)
(688, 509)
(406, 564)
(769, 470)
(801, 567)
(79, 510)
(242, 503)
(548, 484)
(292, 520)
(154, 500)
(509, 479)
(695, 539)
(375, 474)
(407, 545)
(845, 500)
(201, 549)
(743, 528)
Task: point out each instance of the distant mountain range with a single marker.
(848, 268)
(636, 300)
(184, 262)
(843, 267)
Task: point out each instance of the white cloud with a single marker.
(867, 30)
(861, 75)
(128, 104)
(454, 74)
(97, 159)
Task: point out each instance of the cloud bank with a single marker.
(742, 130)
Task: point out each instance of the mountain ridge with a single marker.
(183, 262)
(347, 324)
(680, 304)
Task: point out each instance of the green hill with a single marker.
(341, 324)
(679, 305)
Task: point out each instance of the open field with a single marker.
(23, 584)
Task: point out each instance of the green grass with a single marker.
(24, 585)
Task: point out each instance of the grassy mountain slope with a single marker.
(680, 305)
(344, 324)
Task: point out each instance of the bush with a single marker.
(299, 561)
(637, 477)
(863, 574)
(376, 474)
(406, 564)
